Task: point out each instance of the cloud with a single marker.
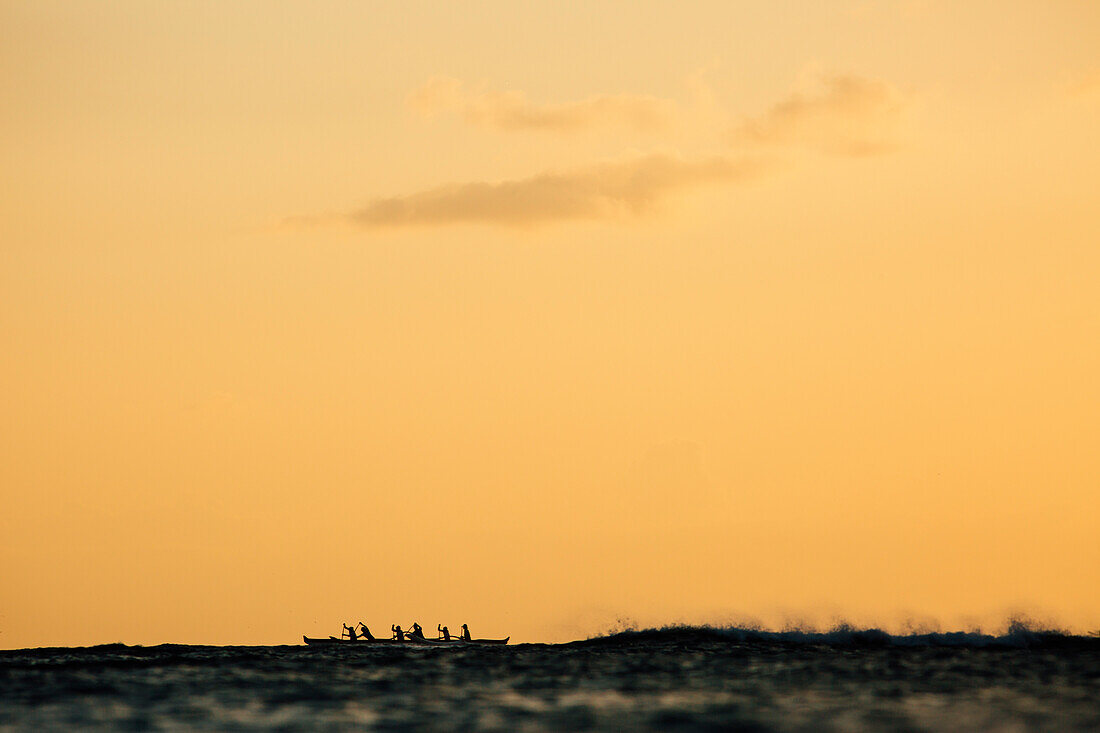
(849, 116)
(511, 111)
(608, 190)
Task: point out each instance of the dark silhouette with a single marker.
(360, 634)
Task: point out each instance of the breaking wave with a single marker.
(1018, 635)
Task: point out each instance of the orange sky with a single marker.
(540, 316)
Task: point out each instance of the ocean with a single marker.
(681, 679)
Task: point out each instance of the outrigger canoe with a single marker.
(332, 640)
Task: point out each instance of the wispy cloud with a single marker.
(849, 115)
(512, 111)
(608, 190)
(844, 115)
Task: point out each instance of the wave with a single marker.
(1017, 635)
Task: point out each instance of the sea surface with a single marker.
(686, 679)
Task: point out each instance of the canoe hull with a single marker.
(332, 641)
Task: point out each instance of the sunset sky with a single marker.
(546, 317)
